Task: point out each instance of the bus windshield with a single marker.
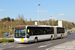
(20, 33)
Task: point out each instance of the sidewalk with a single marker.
(64, 46)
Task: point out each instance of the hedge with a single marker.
(6, 40)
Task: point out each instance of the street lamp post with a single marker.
(3, 26)
(9, 30)
(11, 25)
(52, 20)
(38, 12)
(67, 26)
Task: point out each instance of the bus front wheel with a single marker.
(36, 40)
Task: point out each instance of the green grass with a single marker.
(73, 30)
(6, 40)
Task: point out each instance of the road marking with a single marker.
(20, 46)
(11, 46)
(4, 44)
(9, 43)
(42, 46)
(25, 46)
(47, 48)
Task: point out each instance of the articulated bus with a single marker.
(25, 34)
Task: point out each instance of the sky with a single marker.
(48, 9)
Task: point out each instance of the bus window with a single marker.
(60, 30)
(20, 33)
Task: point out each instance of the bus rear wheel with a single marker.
(61, 37)
(51, 38)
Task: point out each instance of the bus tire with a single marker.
(36, 40)
(61, 37)
(51, 38)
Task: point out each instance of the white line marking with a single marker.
(20, 46)
(11, 46)
(9, 43)
(47, 48)
(25, 46)
(4, 44)
(42, 46)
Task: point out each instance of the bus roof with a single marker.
(37, 26)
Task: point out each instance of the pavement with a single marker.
(70, 45)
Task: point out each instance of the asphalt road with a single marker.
(43, 45)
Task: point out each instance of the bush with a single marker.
(1, 40)
(10, 40)
(6, 40)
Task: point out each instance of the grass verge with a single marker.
(6, 40)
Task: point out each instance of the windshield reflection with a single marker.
(20, 33)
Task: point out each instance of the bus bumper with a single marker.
(21, 40)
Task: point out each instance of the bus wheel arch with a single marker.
(51, 37)
(61, 36)
(36, 39)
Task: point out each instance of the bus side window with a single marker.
(31, 32)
